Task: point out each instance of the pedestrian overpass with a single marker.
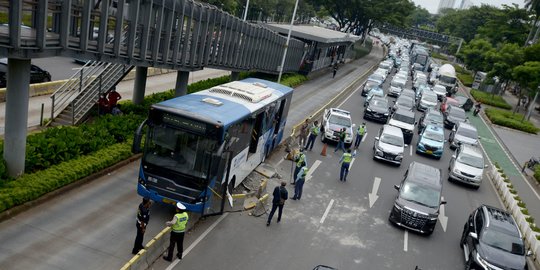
(181, 35)
(417, 33)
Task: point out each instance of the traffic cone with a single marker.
(323, 152)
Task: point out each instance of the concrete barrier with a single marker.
(529, 236)
(151, 252)
(47, 88)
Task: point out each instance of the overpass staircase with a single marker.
(74, 100)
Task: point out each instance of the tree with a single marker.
(533, 6)
(420, 17)
(503, 61)
(507, 25)
(528, 76)
(474, 54)
(532, 53)
(465, 23)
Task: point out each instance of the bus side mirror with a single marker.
(136, 147)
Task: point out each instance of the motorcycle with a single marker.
(477, 109)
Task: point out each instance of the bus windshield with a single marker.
(180, 151)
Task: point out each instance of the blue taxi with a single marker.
(431, 141)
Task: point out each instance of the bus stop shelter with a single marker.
(324, 47)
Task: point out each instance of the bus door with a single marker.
(256, 132)
(216, 193)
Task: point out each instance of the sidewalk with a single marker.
(507, 148)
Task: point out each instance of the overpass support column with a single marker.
(235, 75)
(182, 79)
(16, 123)
(140, 84)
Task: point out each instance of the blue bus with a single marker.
(199, 147)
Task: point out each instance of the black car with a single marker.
(431, 116)
(492, 240)
(37, 75)
(419, 199)
(453, 115)
(377, 109)
(464, 102)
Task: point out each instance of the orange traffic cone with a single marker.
(323, 152)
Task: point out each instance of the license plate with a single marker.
(168, 201)
(429, 152)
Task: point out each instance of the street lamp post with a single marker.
(287, 43)
(246, 11)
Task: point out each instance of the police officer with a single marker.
(143, 216)
(313, 132)
(301, 161)
(345, 161)
(178, 224)
(360, 132)
(300, 180)
(341, 142)
(280, 195)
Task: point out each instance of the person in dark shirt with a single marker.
(103, 105)
(113, 98)
(143, 216)
(280, 196)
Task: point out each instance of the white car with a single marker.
(382, 72)
(467, 166)
(333, 121)
(440, 90)
(396, 86)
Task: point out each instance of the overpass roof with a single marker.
(313, 33)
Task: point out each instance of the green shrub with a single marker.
(529, 219)
(511, 120)
(362, 50)
(535, 228)
(522, 204)
(439, 56)
(31, 186)
(466, 79)
(525, 211)
(489, 99)
(460, 69)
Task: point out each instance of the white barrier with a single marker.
(512, 206)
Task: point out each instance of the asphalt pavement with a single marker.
(93, 227)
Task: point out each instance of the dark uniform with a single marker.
(143, 216)
(280, 196)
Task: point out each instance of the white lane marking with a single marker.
(350, 165)
(280, 161)
(364, 138)
(327, 211)
(405, 240)
(197, 241)
(442, 216)
(373, 195)
(312, 169)
(510, 158)
(410, 150)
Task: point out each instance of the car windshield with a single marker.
(397, 83)
(503, 241)
(403, 118)
(430, 98)
(340, 121)
(469, 133)
(473, 161)
(448, 80)
(432, 135)
(377, 102)
(420, 194)
(405, 101)
(457, 113)
(434, 117)
(439, 88)
(371, 84)
(391, 139)
(407, 93)
(376, 77)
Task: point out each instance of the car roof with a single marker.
(392, 130)
(466, 125)
(433, 111)
(500, 219)
(435, 128)
(429, 93)
(471, 150)
(340, 112)
(404, 112)
(425, 174)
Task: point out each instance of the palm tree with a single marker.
(534, 6)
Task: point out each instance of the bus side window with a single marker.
(278, 117)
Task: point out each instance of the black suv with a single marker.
(419, 198)
(377, 109)
(491, 240)
(37, 75)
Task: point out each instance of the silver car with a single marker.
(389, 145)
(463, 133)
(467, 166)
